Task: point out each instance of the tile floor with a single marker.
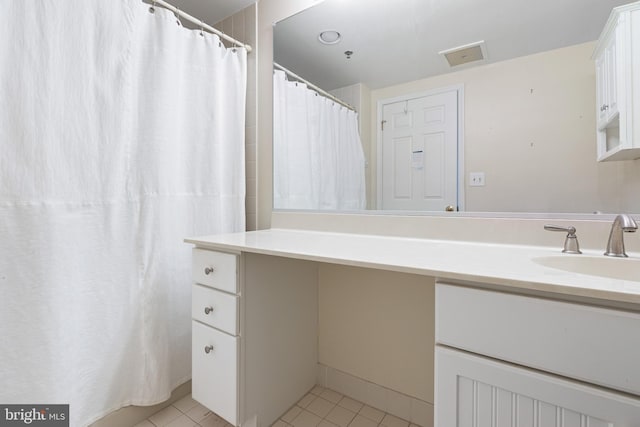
(321, 407)
(186, 412)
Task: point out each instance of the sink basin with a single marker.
(602, 266)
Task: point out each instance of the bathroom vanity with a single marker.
(522, 338)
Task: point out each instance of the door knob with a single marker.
(450, 208)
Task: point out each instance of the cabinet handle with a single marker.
(605, 107)
(208, 349)
(208, 270)
(208, 310)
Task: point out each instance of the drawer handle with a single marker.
(208, 349)
(208, 270)
(208, 310)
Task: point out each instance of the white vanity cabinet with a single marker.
(250, 361)
(617, 58)
(514, 360)
(215, 327)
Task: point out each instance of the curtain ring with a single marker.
(201, 29)
(152, 8)
(177, 15)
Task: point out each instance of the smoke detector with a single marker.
(460, 55)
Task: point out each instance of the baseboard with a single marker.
(401, 405)
(129, 416)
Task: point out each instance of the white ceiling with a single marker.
(210, 11)
(398, 40)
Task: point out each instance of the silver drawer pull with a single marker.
(208, 270)
(208, 349)
(208, 310)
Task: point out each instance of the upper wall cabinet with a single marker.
(617, 58)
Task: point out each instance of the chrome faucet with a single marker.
(615, 245)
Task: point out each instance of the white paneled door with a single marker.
(419, 162)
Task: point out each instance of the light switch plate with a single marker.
(476, 179)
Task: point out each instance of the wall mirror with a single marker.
(524, 109)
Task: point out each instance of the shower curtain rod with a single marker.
(314, 87)
(201, 24)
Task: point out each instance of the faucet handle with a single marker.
(571, 245)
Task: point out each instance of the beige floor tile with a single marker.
(182, 421)
(145, 423)
(198, 413)
(308, 398)
(280, 423)
(185, 404)
(306, 419)
(291, 414)
(360, 421)
(331, 396)
(372, 413)
(320, 407)
(340, 416)
(350, 404)
(317, 390)
(213, 421)
(393, 421)
(164, 416)
(325, 423)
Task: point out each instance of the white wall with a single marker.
(530, 126)
(378, 326)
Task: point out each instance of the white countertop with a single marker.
(499, 264)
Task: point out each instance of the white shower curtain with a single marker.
(121, 133)
(318, 158)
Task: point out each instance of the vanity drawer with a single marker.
(215, 308)
(592, 344)
(216, 269)
(214, 373)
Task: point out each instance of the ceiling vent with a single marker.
(460, 55)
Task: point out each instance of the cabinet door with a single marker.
(472, 391)
(607, 83)
(215, 371)
(611, 105)
(601, 89)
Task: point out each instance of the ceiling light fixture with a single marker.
(329, 37)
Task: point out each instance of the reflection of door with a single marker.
(420, 153)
